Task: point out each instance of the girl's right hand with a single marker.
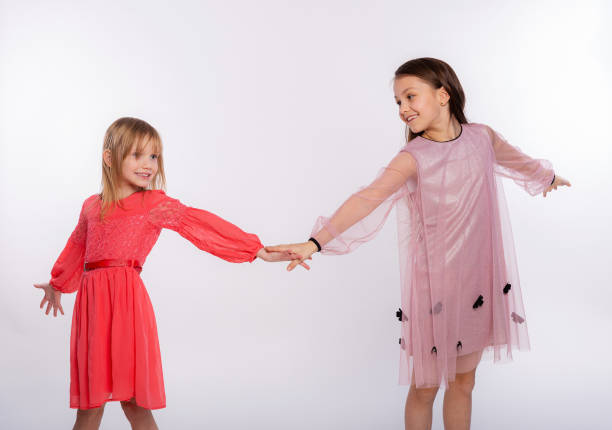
(52, 296)
(558, 182)
(303, 250)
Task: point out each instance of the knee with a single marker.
(90, 414)
(464, 383)
(423, 395)
(130, 409)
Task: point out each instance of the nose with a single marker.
(150, 163)
(405, 111)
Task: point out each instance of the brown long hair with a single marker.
(438, 74)
(120, 138)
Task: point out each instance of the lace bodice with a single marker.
(130, 230)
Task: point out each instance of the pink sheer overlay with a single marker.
(460, 289)
(114, 348)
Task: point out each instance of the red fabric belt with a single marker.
(91, 265)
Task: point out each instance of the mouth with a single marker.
(410, 118)
(143, 175)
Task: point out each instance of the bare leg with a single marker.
(419, 404)
(139, 417)
(88, 419)
(457, 407)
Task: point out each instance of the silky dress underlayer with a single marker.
(460, 290)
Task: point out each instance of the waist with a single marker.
(100, 264)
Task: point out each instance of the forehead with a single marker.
(146, 144)
(409, 82)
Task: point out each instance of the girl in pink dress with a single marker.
(114, 348)
(460, 289)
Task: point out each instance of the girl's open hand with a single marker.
(559, 181)
(52, 297)
(285, 255)
(303, 251)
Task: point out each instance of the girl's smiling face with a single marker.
(420, 105)
(139, 167)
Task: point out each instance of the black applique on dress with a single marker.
(434, 350)
(436, 309)
(478, 302)
(517, 318)
(459, 346)
(507, 288)
(399, 314)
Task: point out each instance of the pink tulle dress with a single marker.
(460, 288)
(114, 347)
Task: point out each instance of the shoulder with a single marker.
(479, 127)
(484, 129)
(90, 202)
(156, 197)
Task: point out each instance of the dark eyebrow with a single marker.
(405, 89)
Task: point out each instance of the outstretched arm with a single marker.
(68, 268)
(211, 233)
(361, 216)
(534, 175)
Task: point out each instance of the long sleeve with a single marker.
(68, 268)
(534, 175)
(362, 215)
(206, 230)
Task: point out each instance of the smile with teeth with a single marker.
(410, 118)
(143, 175)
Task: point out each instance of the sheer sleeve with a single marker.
(68, 268)
(362, 215)
(534, 175)
(206, 230)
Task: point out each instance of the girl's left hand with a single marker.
(52, 296)
(285, 255)
(559, 181)
(301, 251)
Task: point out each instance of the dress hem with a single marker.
(118, 400)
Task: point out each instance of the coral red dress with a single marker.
(114, 347)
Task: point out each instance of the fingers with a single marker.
(42, 302)
(277, 248)
(48, 308)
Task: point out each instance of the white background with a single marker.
(272, 113)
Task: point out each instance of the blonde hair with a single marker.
(120, 139)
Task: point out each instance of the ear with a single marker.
(443, 96)
(106, 156)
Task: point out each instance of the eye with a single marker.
(398, 102)
(409, 96)
(154, 156)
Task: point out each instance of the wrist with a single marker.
(314, 243)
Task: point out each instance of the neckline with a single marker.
(445, 141)
(126, 197)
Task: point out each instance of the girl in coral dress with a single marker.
(114, 348)
(461, 295)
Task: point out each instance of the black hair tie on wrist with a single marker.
(312, 239)
(553, 181)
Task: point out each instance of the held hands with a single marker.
(281, 255)
(559, 181)
(299, 251)
(52, 296)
